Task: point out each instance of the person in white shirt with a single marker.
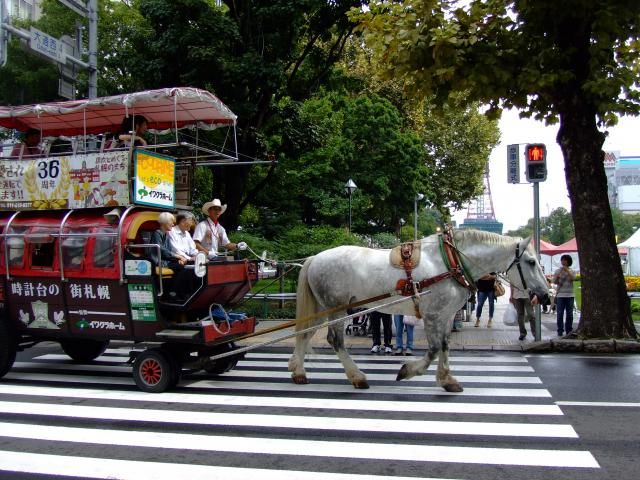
(181, 241)
(209, 235)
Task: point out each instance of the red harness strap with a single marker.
(452, 260)
(408, 287)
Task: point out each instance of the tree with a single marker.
(458, 140)
(574, 61)
(625, 225)
(335, 136)
(250, 53)
(557, 228)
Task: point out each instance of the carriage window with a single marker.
(73, 251)
(104, 248)
(42, 249)
(16, 251)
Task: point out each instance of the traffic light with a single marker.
(536, 162)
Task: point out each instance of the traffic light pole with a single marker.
(536, 239)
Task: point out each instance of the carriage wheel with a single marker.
(7, 348)
(84, 350)
(154, 371)
(225, 364)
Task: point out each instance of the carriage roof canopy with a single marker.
(164, 109)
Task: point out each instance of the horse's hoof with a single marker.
(402, 373)
(299, 379)
(361, 384)
(453, 387)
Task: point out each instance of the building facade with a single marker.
(623, 181)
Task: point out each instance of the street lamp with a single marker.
(401, 222)
(416, 199)
(349, 188)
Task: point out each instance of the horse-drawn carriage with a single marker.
(76, 256)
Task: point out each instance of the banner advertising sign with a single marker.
(81, 181)
(155, 179)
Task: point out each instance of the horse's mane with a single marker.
(467, 237)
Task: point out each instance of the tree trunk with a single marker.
(606, 311)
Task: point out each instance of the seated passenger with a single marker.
(30, 145)
(210, 235)
(181, 242)
(162, 237)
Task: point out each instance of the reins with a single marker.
(339, 308)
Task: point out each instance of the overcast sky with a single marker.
(513, 204)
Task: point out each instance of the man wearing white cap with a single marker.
(209, 235)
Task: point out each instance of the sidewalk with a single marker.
(499, 337)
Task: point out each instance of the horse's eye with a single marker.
(531, 262)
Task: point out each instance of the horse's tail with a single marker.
(306, 303)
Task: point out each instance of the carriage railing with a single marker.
(61, 235)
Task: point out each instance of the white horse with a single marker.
(348, 274)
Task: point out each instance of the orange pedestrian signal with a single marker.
(536, 162)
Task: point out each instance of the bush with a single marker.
(633, 284)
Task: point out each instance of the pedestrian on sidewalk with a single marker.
(520, 300)
(401, 326)
(486, 286)
(563, 278)
(385, 318)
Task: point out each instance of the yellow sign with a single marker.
(155, 179)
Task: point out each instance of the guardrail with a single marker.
(267, 297)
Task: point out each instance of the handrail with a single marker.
(60, 258)
(120, 246)
(6, 244)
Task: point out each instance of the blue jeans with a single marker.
(564, 304)
(400, 326)
(482, 296)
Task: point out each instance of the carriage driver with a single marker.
(210, 235)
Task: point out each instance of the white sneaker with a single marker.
(388, 350)
(408, 351)
(375, 349)
(398, 351)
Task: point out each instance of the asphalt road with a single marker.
(520, 417)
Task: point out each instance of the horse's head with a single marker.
(526, 273)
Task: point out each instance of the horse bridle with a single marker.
(516, 262)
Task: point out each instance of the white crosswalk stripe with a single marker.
(90, 421)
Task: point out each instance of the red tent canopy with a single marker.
(567, 247)
(164, 109)
(547, 248)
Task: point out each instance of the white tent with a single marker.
(632, 243)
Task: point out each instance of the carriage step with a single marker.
(178, 334)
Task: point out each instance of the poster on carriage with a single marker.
(155, 179)
(67, 181)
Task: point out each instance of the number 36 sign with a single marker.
(80, 181)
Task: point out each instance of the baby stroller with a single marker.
(360, 325)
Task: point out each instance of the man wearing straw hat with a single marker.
(209, 235)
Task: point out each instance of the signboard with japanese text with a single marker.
(513, 163)
(155, 179)
(46, 45)
(36, 304)
(73, 181)
(142, 302)
(97, 307)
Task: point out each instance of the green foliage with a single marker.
(624, 224)
(384, 240)
(557, 228)
(511, 54)
(302, 241)
(458, 140)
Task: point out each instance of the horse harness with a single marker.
(516, 262)
(452, 260)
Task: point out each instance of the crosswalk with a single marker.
(58, 418)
